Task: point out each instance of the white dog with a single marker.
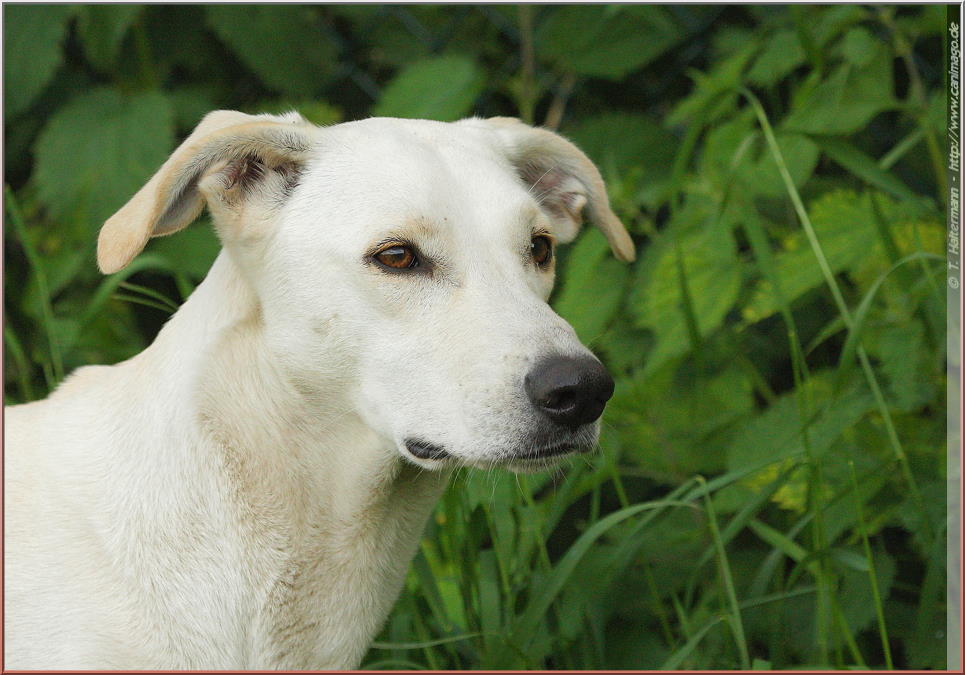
(248, 491)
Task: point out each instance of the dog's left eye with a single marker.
(397, 257)
(541, 248)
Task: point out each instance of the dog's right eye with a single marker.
(397, 257)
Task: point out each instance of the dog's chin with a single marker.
(552, 457)
(529, 459)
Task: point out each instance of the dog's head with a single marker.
(404, 265)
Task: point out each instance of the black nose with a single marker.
(569, 390)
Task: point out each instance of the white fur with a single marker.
(239, 495)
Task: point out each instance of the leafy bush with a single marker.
(770, 490)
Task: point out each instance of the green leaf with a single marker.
(98, 150)
(726, 145)
(442, 88)
(181, 42)
(780, 57)
(715, 92)
(102, 29)
(844, 223)
(847, 100)
(855, 594)
(286, 46)
(762, 176)
(592, 286)
(624, 140)
(935, 515)
(671, 423)
(713, 276)
(388, 33)
(191, 104)
(607, 41)
(778, 432)
(622, 143)
(31, 51)
(905, 362)
(859, 46)
(830, 22)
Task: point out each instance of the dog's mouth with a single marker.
(550, 451)
(430, 451)
(425, 450)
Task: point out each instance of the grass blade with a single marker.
(430, 590)
(673, 663)
(872, 574)
(110, 284)
(56, 372)
(743, 517)
(20, 358)
(901, 148)
(423, 645)
(151, 293)
(851, 343)
(137, 300)
(864, 167)
(736, 623)
(769, 535)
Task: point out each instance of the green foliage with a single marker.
(810, 399)
(286, 46)
(415, 91)
(32, 51)
(114, 142)
(609, 42)
(101, 29)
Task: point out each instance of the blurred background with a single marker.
(770, 487)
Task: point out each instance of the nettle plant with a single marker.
(770, 488)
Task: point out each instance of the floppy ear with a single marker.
(230, 151)
(564, 180)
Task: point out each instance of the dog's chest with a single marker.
(331, 596)
(323, 553)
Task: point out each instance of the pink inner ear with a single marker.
(243, 171)
(558, 193)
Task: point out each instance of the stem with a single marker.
(901, 148)
(558, 106)
(527, 94)
(145, 61)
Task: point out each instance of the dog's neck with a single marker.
(335, 509)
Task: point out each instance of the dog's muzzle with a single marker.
(569, 393)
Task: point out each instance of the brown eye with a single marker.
(398, 257)
(541, 248)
